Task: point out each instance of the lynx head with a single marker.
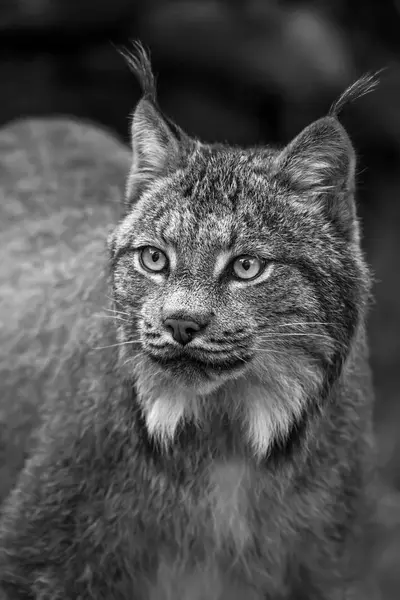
(239, 273)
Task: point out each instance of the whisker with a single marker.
(113, 300)
(225, 350)
(276, 335)
(266, 351)
(117, 312)
(112, 317)
(300, 323)
(270, 350)
(281, 336)
(115, 345)
(237, 355)
(132, 359)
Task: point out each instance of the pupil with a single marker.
(155, 256)
(246, 264)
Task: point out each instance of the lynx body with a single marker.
(205, 398)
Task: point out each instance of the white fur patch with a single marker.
(221, 261)
(269, 418)
(266, 400)
(277, 399)
(168, 405)
(164, 415)
(165, 403)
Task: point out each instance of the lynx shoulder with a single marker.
(203, 383)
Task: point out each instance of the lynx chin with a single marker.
(211, 439)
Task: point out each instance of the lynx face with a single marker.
(237, 275)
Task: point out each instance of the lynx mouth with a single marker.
(183, 361)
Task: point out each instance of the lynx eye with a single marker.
(153, 259)
(247, 267)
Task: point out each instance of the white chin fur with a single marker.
(266, 403)
(164, 414)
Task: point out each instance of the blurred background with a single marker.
(245, 72)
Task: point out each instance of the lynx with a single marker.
(204, 395)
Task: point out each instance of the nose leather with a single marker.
(182, 330)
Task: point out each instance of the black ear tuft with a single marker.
(157, 144)
(359, 88)
(138, 60)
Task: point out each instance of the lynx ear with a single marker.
(320, 164)
(155, 146)
(320, 159)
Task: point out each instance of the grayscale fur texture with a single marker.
(237, 467)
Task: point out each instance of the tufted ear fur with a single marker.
(155, 140)
(154, 147)
(320, 159)
(319, 164)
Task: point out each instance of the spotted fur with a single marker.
(238, 466)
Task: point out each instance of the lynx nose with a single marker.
(182, 330)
